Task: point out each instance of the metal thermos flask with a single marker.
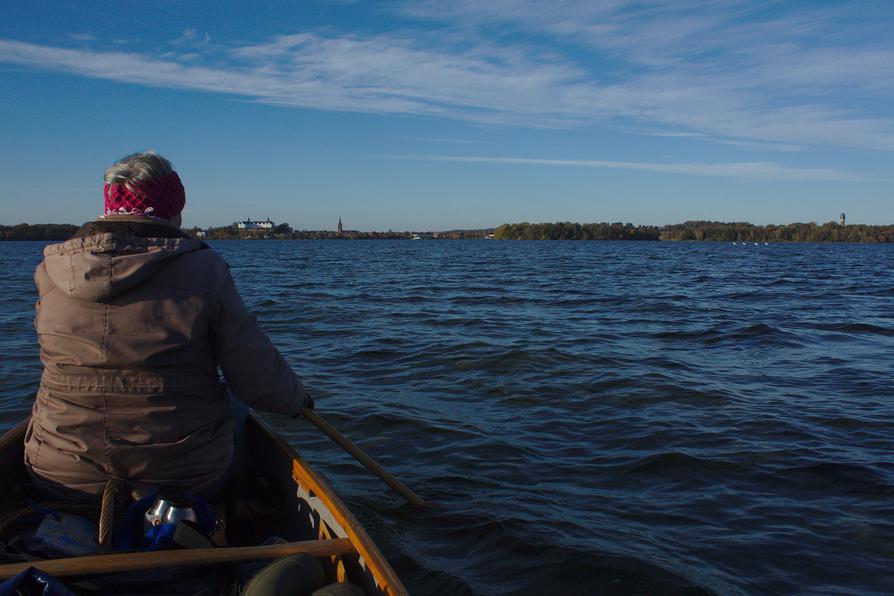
(167, 510)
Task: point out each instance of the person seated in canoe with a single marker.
(134, 319)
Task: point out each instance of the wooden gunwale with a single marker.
(304, 475)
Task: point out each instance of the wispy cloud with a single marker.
(729, 72)
(446, 140)
(378, 74)
(732, 70)
(698, 136)
(741, 170)
(192, 38)
(672, 133)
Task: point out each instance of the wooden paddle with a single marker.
(371, 464)
(143, 560)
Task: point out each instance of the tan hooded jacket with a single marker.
(134, 319)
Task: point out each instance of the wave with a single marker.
(750, 335)
(676, 463)
(507, 557)
(854, 328)
(841, 477)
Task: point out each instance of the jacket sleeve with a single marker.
(254, 369)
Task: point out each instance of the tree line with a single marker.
(37, 232)
(576, 231)
(285, 232)
(793, 232)
(712, 231)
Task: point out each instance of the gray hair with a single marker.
(138, 167)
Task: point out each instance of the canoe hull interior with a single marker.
(275, 493)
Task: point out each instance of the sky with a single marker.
(438, 115)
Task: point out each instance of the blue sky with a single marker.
(439, 115)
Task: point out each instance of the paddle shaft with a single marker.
(371, 464)
(141, 561)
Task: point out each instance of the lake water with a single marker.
(589, 417)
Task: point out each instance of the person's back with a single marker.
(134, 319)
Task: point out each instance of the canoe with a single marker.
(299, 507)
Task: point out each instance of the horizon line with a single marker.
(492, 228)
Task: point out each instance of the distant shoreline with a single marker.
(701, 231)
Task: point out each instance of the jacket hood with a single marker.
(107, 257)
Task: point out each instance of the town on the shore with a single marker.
(833, 231)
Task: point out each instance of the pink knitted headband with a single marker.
(162, 198)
